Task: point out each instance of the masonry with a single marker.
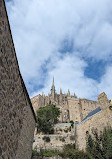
(17, 118)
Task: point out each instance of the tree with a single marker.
(100, 146)
(46, 118)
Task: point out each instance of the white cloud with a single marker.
(40, 26)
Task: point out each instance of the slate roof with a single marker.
(91, 114)
(97, 110)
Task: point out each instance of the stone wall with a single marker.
(74, 109)
(57, 141)
(17, 119)
(98, 121)
(87, 106)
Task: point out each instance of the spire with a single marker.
(68, 93)
(53, 89)
(60, 91)
(53, 81)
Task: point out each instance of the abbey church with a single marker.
(71, 107)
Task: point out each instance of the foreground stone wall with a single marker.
(17, 120)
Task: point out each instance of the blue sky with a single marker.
(70, 40)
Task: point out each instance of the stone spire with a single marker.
(53, 90)
(61, 96)
(60, 91)
(68, 93)
(75, 95)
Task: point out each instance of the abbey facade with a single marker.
(71, 107)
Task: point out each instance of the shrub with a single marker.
(46, 138)
(100, 146)
(62, 139)
(65, 130)
(69, 147)
(72, 123)
(72, 137)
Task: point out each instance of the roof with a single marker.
(91, 114)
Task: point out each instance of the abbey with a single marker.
(71, 107)
(86, 114)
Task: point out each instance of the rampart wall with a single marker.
(17, 119)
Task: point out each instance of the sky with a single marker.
(70, 40)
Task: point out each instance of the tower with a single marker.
(53, 90)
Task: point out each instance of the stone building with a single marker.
(98, 119)
(71, 107)
(17, 118)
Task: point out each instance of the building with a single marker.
(98, 119)
(71, 107)
(17, 118)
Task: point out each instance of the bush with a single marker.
(72, 123)
(100, 146)
(62, 139)
(50, 153)
(72, 137)
(35, 153)
(46, 138)
(69, 147)
(66, 130)
(72, 154)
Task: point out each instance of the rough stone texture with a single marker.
(15, 106)
(99, 121)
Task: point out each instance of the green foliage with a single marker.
(69, 147)
(70, 153)
(35, 153)
(75, 155)
(46, 118)
(46, 138)
(72, 123)
(100, 146)
(50, 153)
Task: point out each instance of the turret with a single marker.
(103, 100)
(75, 95)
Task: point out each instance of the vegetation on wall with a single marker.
(68, 152)
(100, 145)
(46, 138)
(46, 118)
